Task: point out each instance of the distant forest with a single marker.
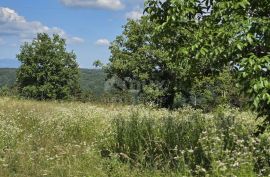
(90, 79)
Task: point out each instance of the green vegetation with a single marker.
(212, 35)
(179, 43)
(78, 139)
(7, 77)
(194, 57)
(169, 80)
(91, 80)
(192, 143)
(47, 70)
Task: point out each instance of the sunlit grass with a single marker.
(66, 139)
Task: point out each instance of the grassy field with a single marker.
(76, 139)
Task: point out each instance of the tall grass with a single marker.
(192, 143)
(76, 139)
(43, 139)
(58, 139)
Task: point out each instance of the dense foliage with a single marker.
(218, 33)
(47, 70)
(145, 65)
(180, 49)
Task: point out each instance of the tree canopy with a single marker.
(178, 43)
(235, 32)
(47, 71)
(160, 63)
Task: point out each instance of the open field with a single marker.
(70, 138)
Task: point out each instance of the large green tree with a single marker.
(228, 32)
(180, 42)
(47, 70)
(159, 55)
(160, 69)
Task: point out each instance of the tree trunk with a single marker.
(168, 100)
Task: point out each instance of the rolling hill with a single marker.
(91, 79)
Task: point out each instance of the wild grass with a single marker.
(76, 139)
(191, 143)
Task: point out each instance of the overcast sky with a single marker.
(88, 25)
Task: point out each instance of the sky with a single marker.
(87, 25)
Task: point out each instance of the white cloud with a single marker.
(103, 42)
(76, 40)
(103, 4)
(11, 23)
(135, 14)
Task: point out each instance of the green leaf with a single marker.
(250, 38)
(239, 46)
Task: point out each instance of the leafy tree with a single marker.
(181, 41)
(163, 51)
(234, 32)
(137, 55)
(48, 71)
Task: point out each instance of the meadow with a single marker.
(84, 139)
